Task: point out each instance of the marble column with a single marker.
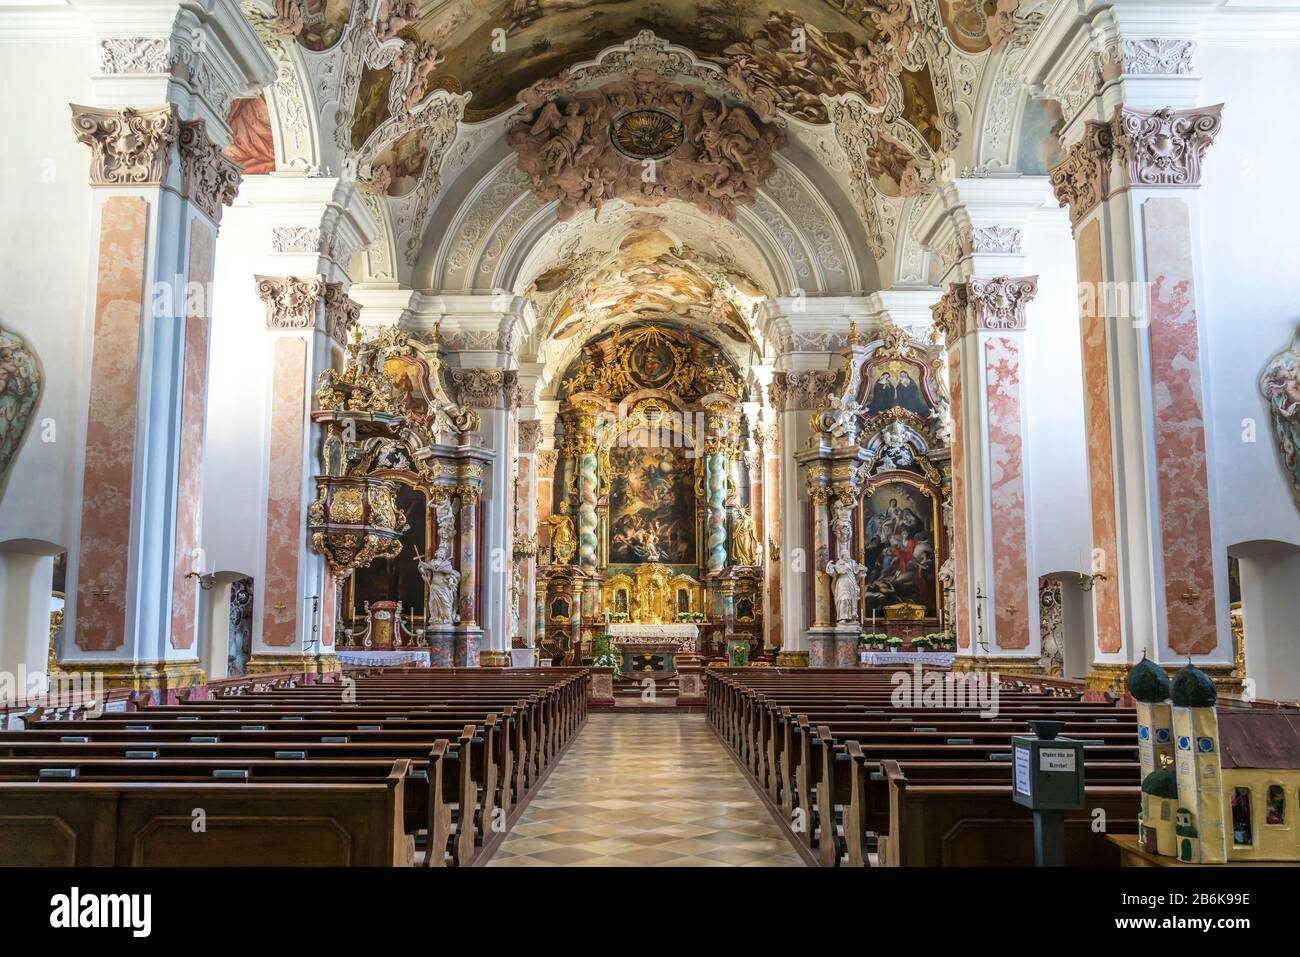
(793, 394)
(159, 185)
(1136, 136)
(468, 633)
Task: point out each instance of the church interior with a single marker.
(499, 433)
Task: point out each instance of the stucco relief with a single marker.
(1280, 386)
(718, 153)
(20, 388)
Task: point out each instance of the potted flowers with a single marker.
(942, 639)
(603, 654)
(872, 640)
(894, 643)
(923, 642)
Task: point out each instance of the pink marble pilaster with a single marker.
(1097, 425)
(1007, 492)
(284, 525)
(1186, 542)
(189, 474)
(104, 546)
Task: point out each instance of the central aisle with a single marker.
(643, 789)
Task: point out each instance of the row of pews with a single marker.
(862, 781)
(380, 768)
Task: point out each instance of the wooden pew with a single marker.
(148, 823)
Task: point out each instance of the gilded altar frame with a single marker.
(641, 588)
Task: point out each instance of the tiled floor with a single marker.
(645, 790)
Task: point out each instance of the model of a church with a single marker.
(1218, 785)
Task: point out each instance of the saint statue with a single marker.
(842, 526)
(563, 540)
(744, 541)
(847, 587)
(441, 582)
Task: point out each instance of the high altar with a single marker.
(652, 533)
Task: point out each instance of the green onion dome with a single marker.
(1161, 783)
(1193, 688)
(1148, 682)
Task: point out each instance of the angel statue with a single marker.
(840, 418)
(563, 540)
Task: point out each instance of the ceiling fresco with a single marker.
(545, 36)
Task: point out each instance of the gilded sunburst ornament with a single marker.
(646, 134)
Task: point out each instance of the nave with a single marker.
(645, 790)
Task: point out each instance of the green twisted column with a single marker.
(588, 482)
(715, 466)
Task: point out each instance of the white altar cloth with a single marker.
(366, 658)
(631, 632)
(940, 659)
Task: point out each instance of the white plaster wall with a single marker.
(1056, 459)
(45, 207)
(1250, 205)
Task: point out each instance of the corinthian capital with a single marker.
(341, 313)
(950, 312)
(128, 147)
(208, 179)
(291, 301)
(1000, 303)
(1164, 147)
(478, 388)
(1081, 180)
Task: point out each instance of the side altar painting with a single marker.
(899, 522)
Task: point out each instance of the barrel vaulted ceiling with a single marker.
(497, 142)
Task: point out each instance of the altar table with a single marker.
(939, 659)
(628, 633)
(368, 658)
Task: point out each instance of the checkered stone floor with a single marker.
(645, 790)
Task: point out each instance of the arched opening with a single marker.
(1265, 608)
(31, 609)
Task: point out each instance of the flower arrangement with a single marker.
(619, 616)
(941, 639)
(921, 642)
(894, 643)
(871, 639)
(690, 616)
(603, 654)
